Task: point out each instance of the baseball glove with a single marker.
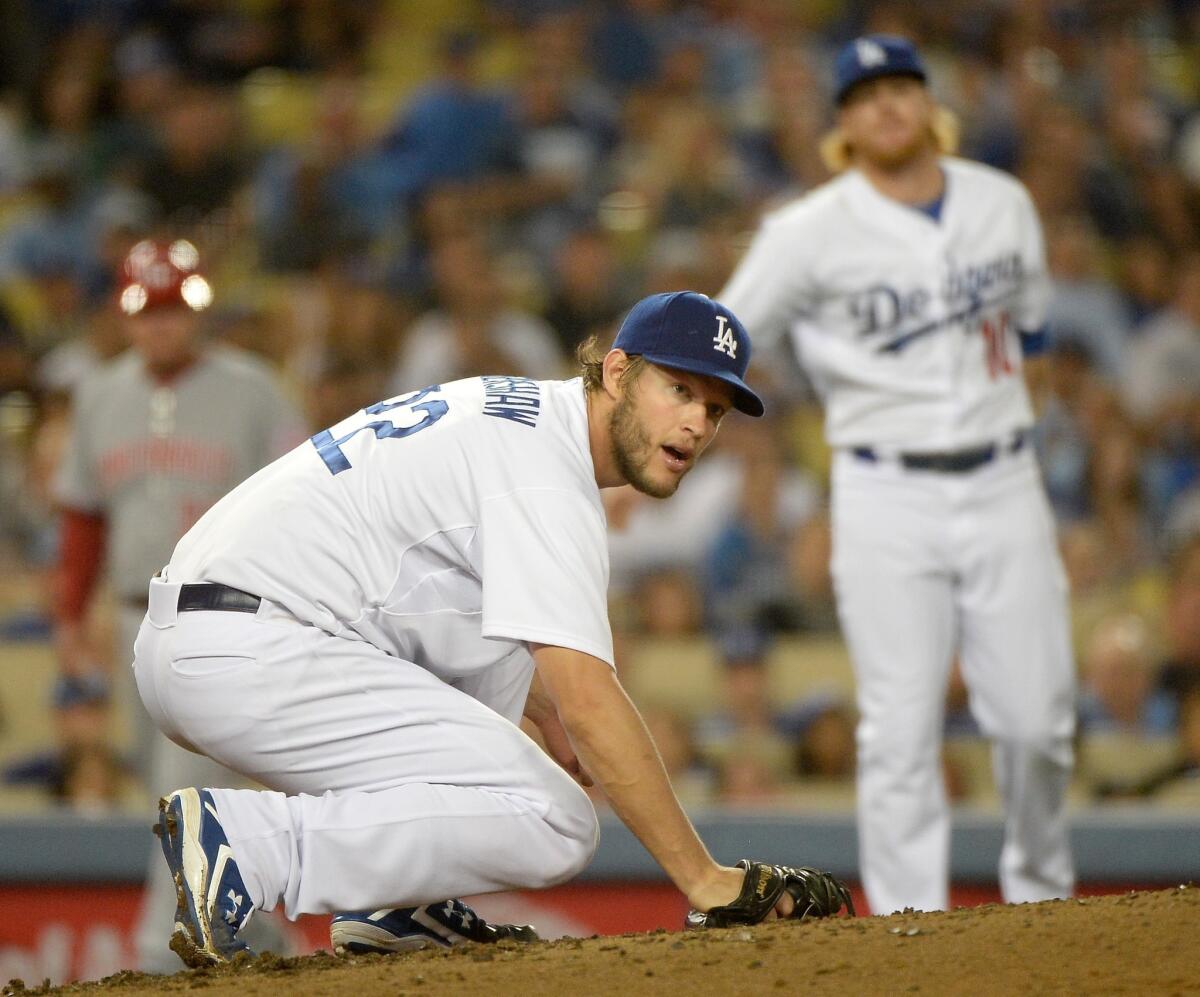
(816, 893)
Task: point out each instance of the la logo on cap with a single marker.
(870, 53)
(724, 340)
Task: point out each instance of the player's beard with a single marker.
(888, 160)
(632, 449)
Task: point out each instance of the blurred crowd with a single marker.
(387, 194)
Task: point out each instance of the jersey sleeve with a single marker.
(1029, 314)
(76, 484)
(545, 570)
(769, 287)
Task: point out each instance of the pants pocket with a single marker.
(199, 665)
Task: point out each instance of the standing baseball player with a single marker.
(361, 625)
(911, 285)
(158, 435)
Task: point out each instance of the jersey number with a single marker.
(330, 449)
(995, 340)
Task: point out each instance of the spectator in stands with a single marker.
(1145, 278)
(1179, 781)
(1162, 393)
(70, 105)
(31, 509)
(472, 330)
(748, 581)
(1181, 671)
(778, 135)
(627, 41)
(751, 771)
(94, 782)
(1084, 307)
(745, 736)
(562, 133)
(198, 161)
(1118, 693)
(691, 776)
(587, 288)
(80, 706)
(1161, 378)
(822, 729)
(1067, 172)
(15, 359)
(1074, 396)
(1115, 494)
(329, 197)
(1183, 781)
(668, 604)
(809, 553)
(52, 235)
(453, 130)
(1137, 124)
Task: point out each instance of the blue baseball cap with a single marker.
(689, 331)
(871, 57)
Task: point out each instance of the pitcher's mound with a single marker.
(1133, 944)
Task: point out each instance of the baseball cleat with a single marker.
(406, 929)
(213, 904)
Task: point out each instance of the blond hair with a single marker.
(591, 354)
(837, 154)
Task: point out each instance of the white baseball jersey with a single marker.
(908, 327)
(446, 526)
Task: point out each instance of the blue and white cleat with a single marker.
(406, 929)
(213, 903)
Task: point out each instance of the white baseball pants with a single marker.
(166, 766)
(388, 786)
(928, 564)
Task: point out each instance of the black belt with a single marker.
(213, 596)
(951, 461)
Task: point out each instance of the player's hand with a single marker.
(767, 892)
(540, 710)
(559, 747)
(724, 887)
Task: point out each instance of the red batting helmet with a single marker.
(163, 273)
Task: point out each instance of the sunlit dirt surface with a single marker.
(1138, 943)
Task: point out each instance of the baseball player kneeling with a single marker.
(361, 625)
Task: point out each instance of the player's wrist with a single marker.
(720, 886)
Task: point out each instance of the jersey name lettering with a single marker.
(175, 457)
(517, 399)
(899, 316)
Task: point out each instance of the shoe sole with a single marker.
(357, 938)
(192, 938)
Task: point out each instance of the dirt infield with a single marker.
(1135, 943)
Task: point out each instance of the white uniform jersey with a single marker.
(447, 527)
(908, 327)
